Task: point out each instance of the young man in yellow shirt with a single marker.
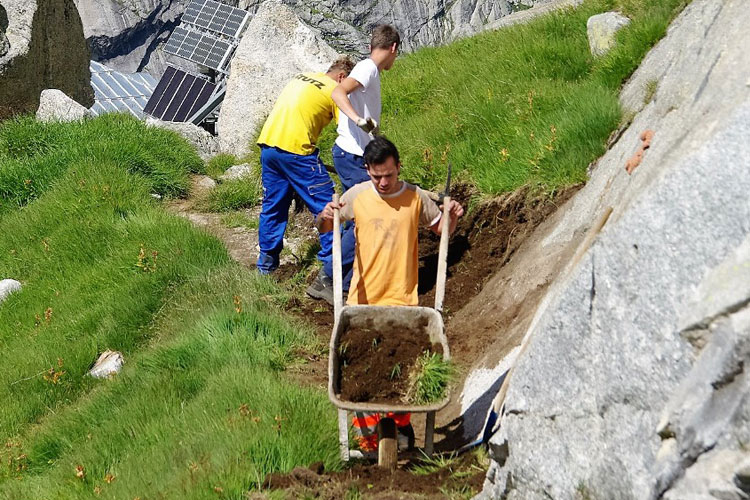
(290, 159)
(388, 213)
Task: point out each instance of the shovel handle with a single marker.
(338, 293)
(445, 223)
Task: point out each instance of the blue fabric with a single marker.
(351, 170)
(283, 172)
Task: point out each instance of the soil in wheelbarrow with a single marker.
(375, 363)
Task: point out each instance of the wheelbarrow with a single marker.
(399, 316)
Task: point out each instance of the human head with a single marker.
(340, 68)
(385, 41)
(383, 164)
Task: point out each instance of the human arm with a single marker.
(340, 96)
(455, 210)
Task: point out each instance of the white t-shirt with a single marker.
(366, 102)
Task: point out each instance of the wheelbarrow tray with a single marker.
(399, 316)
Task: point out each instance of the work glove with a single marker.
(368, 125)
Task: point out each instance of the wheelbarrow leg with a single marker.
(429, 431)
(344, 435)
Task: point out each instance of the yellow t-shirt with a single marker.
(385, 262)
(301, 111)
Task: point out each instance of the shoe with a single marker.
(321, 288)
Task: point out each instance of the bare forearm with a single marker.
(341, 99)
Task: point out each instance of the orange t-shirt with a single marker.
(385, 262)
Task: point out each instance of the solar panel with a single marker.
(215, 16)
(119, 92)
(178, 96)
(201, 48)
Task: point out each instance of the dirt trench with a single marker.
(481, 327)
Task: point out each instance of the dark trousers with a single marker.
(351, 170)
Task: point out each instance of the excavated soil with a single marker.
(459, 478)
(375, 364)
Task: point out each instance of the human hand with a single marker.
(368, 125)
(328, 210)
(454, 209)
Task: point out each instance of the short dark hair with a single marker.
(384, 36)
(343, 63)
(379, 150)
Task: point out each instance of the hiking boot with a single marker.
(321, 288)
(405, 437)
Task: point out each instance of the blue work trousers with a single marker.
(351, 170)
(283, 172)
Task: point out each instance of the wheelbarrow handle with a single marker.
(443, 254)
(338, 300)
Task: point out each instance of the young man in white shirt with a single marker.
(358, 99)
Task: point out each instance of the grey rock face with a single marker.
(634, 383)
(276, 46)
(8, 286)
(204, 143)
(45, 49)
(54, 105)
(126, 34)
(601, 30)
(346, 25)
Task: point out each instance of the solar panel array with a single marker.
(178, 96)
(198, 47)
(207, 34)
(119, 92)
(215, 16)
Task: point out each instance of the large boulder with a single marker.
(276, 46)
(55, 106)
(46, 49)
(633, 383)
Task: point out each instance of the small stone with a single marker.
(236, 172)
(205, 182)
(7, 287)
(601, 30)
(109, 363)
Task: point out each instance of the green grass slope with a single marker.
(201, 403)
(522, 106)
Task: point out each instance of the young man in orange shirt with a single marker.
(388, 213)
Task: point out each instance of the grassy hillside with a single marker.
(522, 106)
(202, 408)
(200, 404)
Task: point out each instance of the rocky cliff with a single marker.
(633, 379)
(41, 46)
(127, 34)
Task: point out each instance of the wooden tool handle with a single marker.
(445, 223)
(338, 299)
